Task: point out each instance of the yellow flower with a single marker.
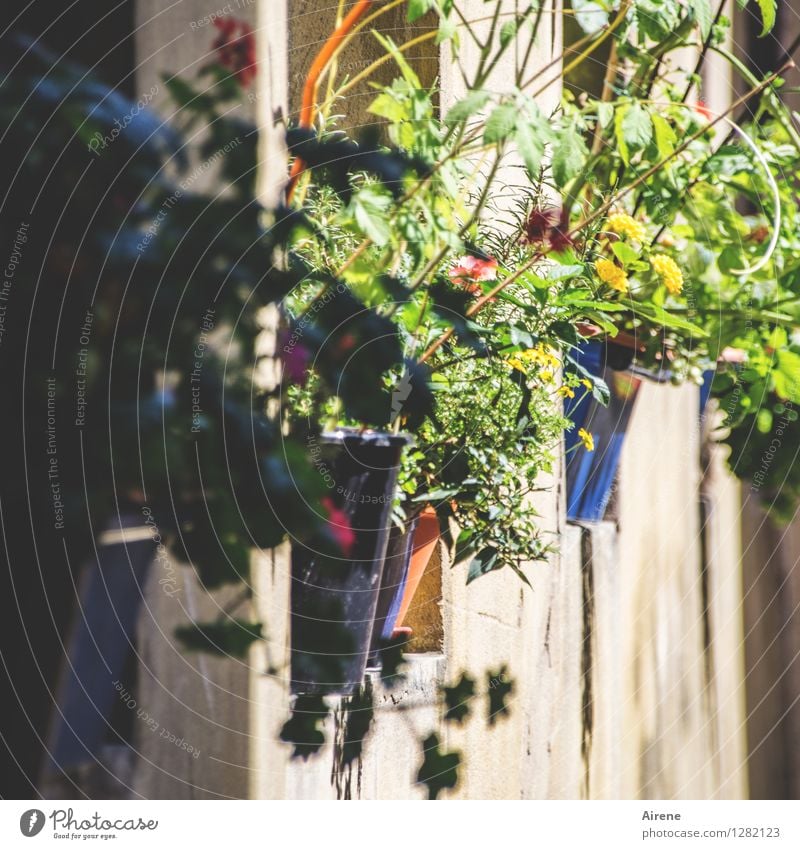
(612, 274)
(542, 356)
(586, 382)
(538, 356)
(546, 376)
(667, 269)
(624, 225)
(566, 391)
(587, 439)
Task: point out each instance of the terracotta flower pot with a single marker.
(407, 556)
(426, 535)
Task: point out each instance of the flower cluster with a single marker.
(667, 269)
(624, 225)
(540, 356)
(236, 48)
(609, 272)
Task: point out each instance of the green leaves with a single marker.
(447, 30)
(417, 8)
(439, 770)
(409, 74)
(569, 154)
(768, 9)
(634, 129)
(624, 253)
(508, 32)
(660, 316)
(500, 124)
(521, 121)
(531, 148)
(665, 137)
(467, 107)
(387, 106)
(370, 206)
(704, 15)
(185, 96)
(656, 19)
(786, 378)
(484, 561)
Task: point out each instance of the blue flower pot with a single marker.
(591, 474)
(705, 390)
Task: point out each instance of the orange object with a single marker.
(308, 105)
(426, 535)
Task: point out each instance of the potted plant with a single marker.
(334, 599)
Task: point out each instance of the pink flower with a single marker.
(474, 268)
(339, 526)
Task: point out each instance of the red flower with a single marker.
(236, 48)
(702, 109)
(538, 226)
(339, 526)
(560, 238)
(548, 225)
